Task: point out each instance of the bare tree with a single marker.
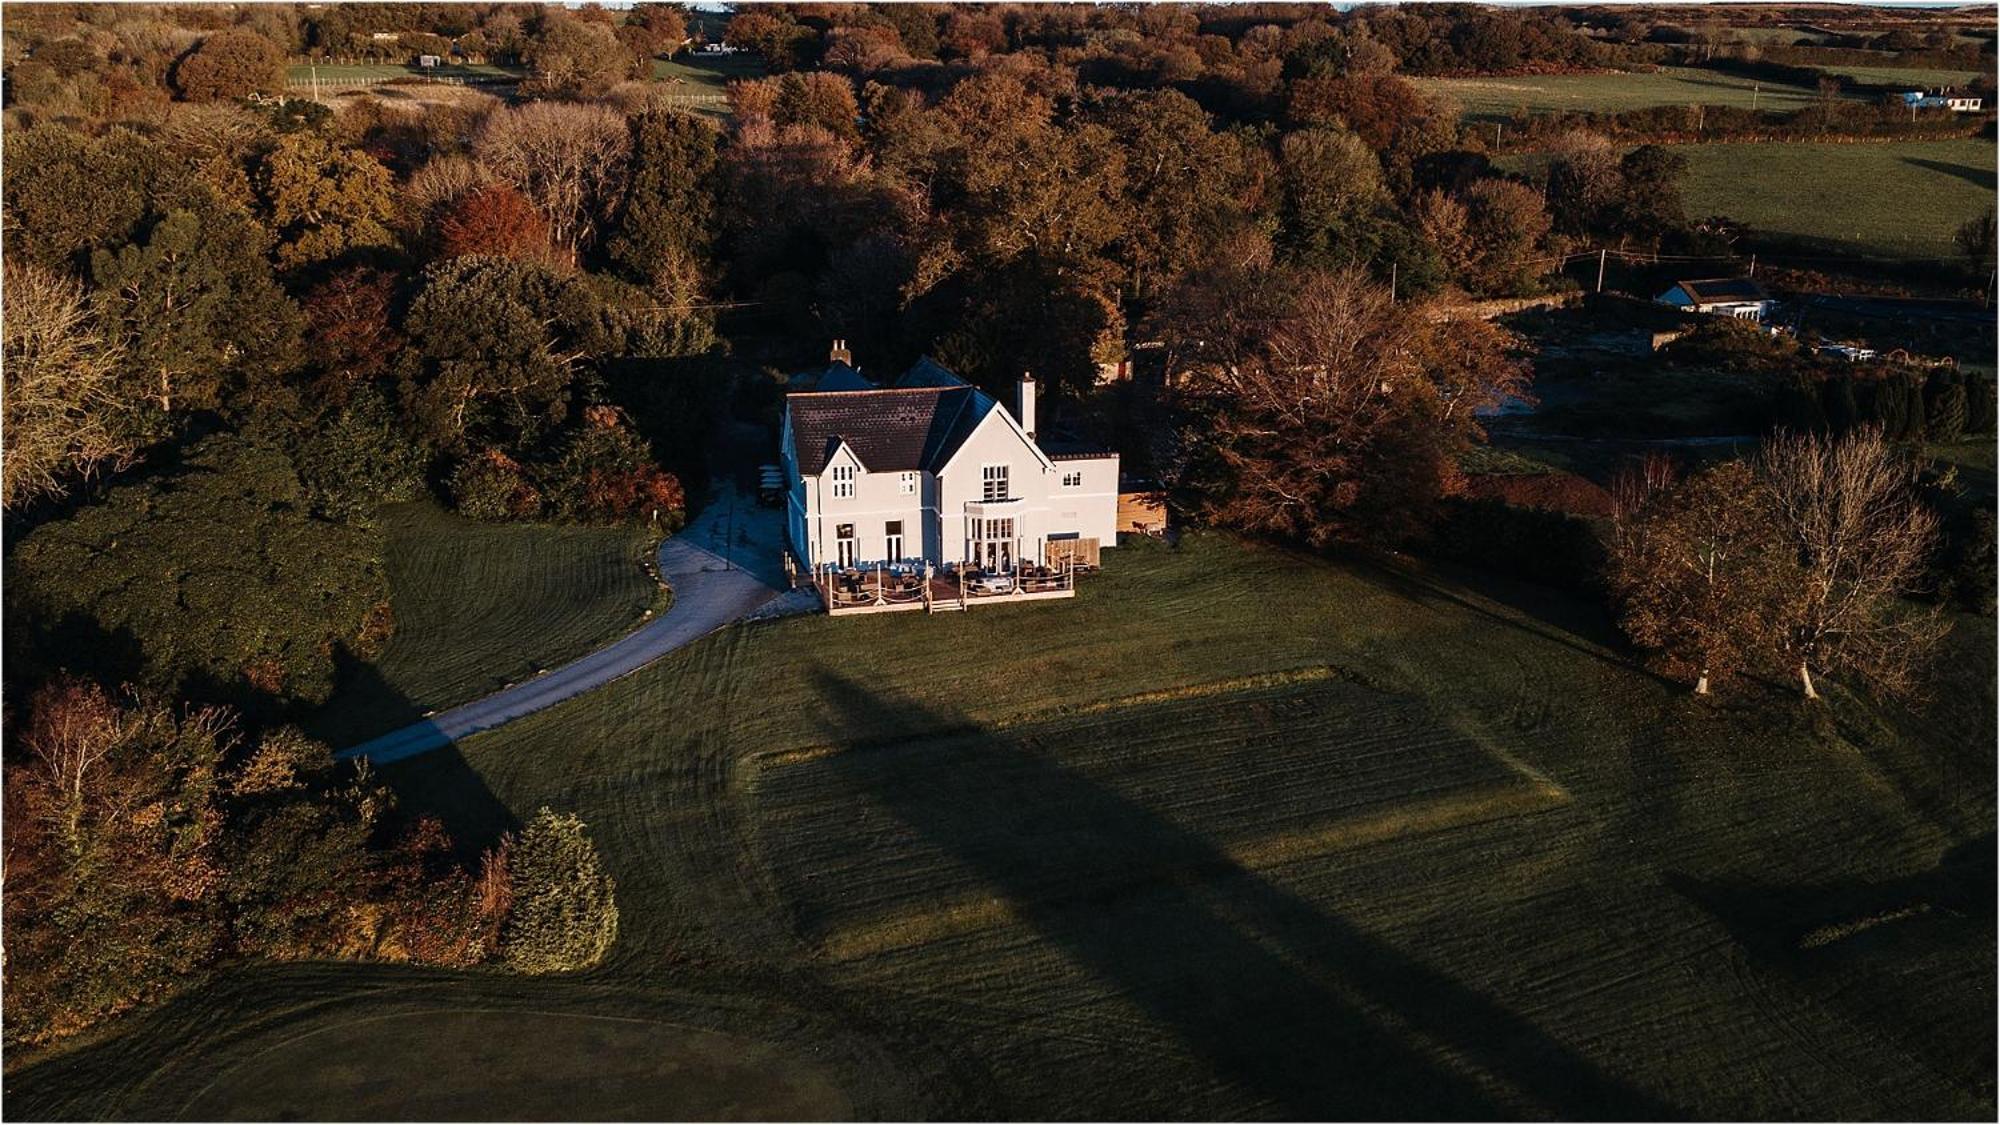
(62, 413)
(76, 726)
(1863, 538)
(1326, 411)
(569, 160)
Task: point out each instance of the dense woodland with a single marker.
(239, 320)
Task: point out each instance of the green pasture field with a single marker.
(1499, 99)
(481, 605)
(1915, 78)
(1894, 199)
(1888, 199)
(1238, 832)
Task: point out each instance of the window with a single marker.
(909, 484)
(843, 544)
(892, 541)
(843, 482)
(1073, 480)
(994, 479)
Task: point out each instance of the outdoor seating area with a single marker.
(889, 587)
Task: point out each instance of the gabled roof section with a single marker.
(1718, 289)
(889, 429)
(835, 376)
(927, 372)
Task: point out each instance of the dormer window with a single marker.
(843, 482)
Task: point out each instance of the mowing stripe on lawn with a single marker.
(1319, 673)
(849, 943)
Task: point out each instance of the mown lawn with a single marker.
(1238, 832)
(1498, 99)
(480, 605)
(384, 72)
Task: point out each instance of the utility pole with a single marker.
(1393, 266)
(1754, 90)
(1600, 269)
(1753, 265)
(315, 82)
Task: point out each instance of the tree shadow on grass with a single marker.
(1982, 178)
(1298, 1007)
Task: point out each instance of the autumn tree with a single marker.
(1321, 410)
(1504, 228)
(350, 329)
(231, 64)
(576, 58)
(1700, 571)
(1186, 187)
(821, 99)
(68, 194)
(494, 220)
(568, 160)
(1863, 539)
(1333, 193)
(606, 473)
(65, 419)
(324, 200)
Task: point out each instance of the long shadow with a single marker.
(1984, 178)
(1293, 1004)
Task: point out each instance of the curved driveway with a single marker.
(722, 567)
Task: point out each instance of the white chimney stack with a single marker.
(840, 354)
(1024, 404)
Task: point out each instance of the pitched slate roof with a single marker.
(1717, 289)
(927, 372)
(890, 429)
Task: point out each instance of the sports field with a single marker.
(1237, 832)
(385, 72)
(1499, 99)
(481, 605)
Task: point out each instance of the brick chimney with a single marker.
(841, 354)
(1024, 403)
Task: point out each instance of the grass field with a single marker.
(481, 605)
(1894, 199)
(703, 74)
(1235, 833)
(1898, 199)
(1498, 99)
(1915, 78)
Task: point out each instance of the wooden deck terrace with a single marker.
(882, 592)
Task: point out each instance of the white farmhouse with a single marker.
(933, 469)
(1737, 297)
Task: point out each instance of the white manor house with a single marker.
(930, 469)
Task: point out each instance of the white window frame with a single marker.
(1073, 480)
(843, 482)
(909, 482)
(991, 475)
(892, 541)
